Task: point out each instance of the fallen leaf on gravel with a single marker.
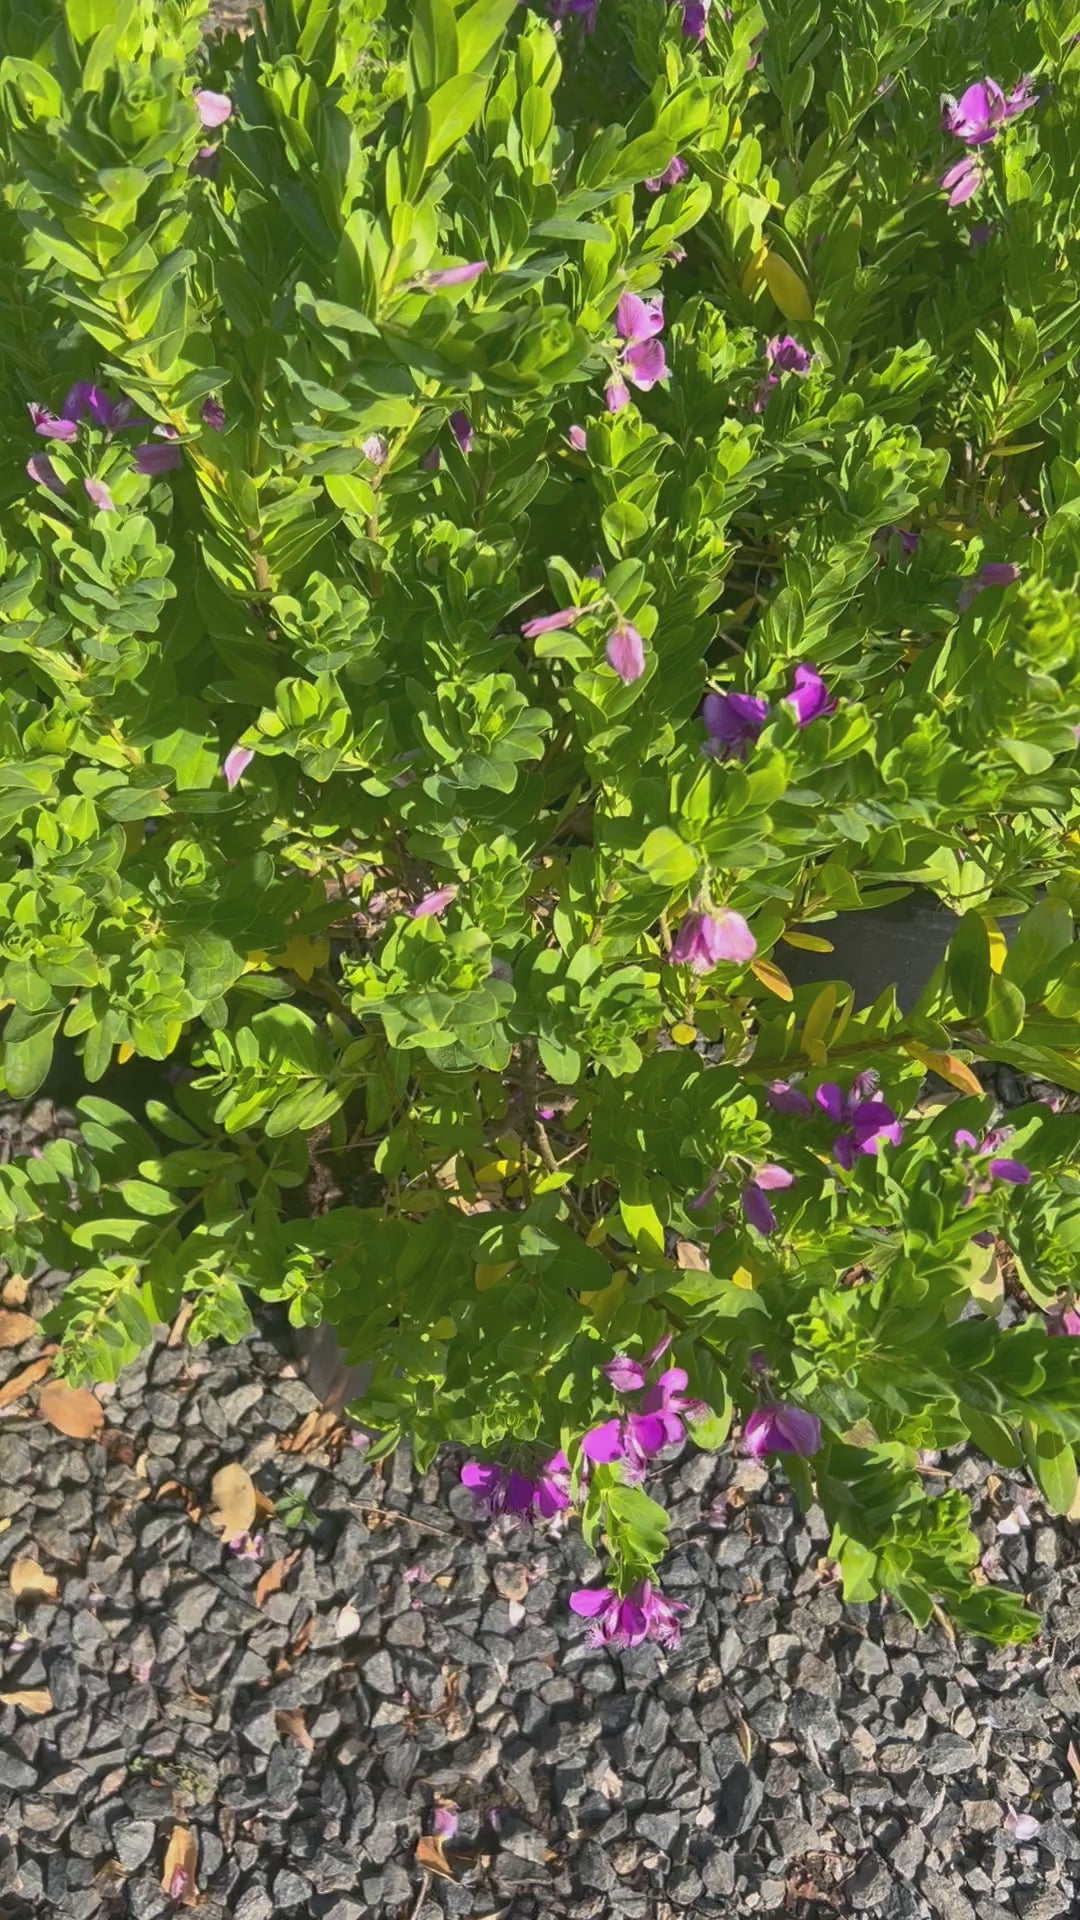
(347, 1622)
(32, 1700)
(167, 1488)
(27, 1377)
(15, 1328)
(15, 1289)
(290, 1721)
(270, 1581)
(181, 1860)
(71, 1410)
(318, 1430)
(234, 1500)
(430, 1855)
(28, 1578)
(179, 1325)
(1073, 1759)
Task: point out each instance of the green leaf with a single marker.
(1053, 1463)
(968, 966)
(638, 1524)
(453, 110)
(1042, 934)
(668, 861)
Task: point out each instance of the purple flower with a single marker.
(809, 698)
(786, 1099)
(1062, 1320)
(433, 903)
(498, 1489)
(616, 394)
(444, 1823)
(235, 762)
(99, 493)
(868, 1123)
(432, 460)
(552, 1494)
(637, 322)
(375, 449)
(551, 622)
(962, 181)
(981, 235)
(51, 428)
(675, 171)
(784, 355)
(998, 573)
(212, 414)
(774, 1179)
(909, 540)
(247, 1546)
(733, 722)
(461, 428)
(456, 276)
(694, 17)
(625, 652)
(627, 1375)
(576, 438)
(583, 10)
(779, 1429)
(153, 460)
(629, 1619)
(85, 398)
(756, 1208)
(983, 108)
(704, 939)
(1012, 1172)
(213, 109)
(43, 473)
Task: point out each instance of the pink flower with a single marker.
(962, 181)
(235, 762)
(1062, 1320)
(375, 449)
(444, 1823)
(779, 1429)
(460, 276)
(633, 1438)
(98, 492)
(43, 473)
(498, 1489)
(629, 1619)
(213, 109)
(576, 438)
(433, 903)
(627, 1375)
(983, 108)
(551, 622)
(51, 428)
(868, 1123)
(767, 1179)
(212, 414)
(704, 939)
(792, 1101)
(625, 653)
(637, 322)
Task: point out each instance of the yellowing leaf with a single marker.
(683, 1035)
(808, 942)
(603, 1305)
(71, 1410)
(643, 1224)
(816, 1024)
(946, 1066)
(494, 1172)
(788, 291)
(755, 270)
(742, 1277)
(30, 1699)
(772, 978)
(302, 954)
(234, 1500)
(998, 948)
(489, 1276)
(253, 961)
(27, 1578)
(124, 1052)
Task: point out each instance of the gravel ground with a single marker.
(793, 1757)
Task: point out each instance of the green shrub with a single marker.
(334, 370)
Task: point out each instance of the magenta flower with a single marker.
(1062, 1320)
(236, 761)
(998, 573)
(85, 398)
(1012, 1172)
(733, 722)
(983, 108)
(99, 493)
(153, 460)
(460, 276)
(809, 698)
(784, 354)
(552, 1493)
(704, 939)
(627, 1375)
(633, 1438)
(43, 473)
(461, 428)
(213, 109)
(583, 10)
(779, 1429)
(695, 15)
(551, 622)
(576, 438)
(637, 322)
(433, 903)
(247, 1546)
(616, 394)
(756, 1208)
(49, 426)
(444, 1823)
(868, 1123)
(629, 1619)
(675, 171)
(788, 1100)
(498, 1489)
(625, 653)
(212, 414)
(961, 182)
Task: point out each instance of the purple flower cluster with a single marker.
(865, 1123)
(627, 1620)
(783, 354)
(641, 361)
(498, 1489)
(633, 1437)
(624, 649)
(704, 939)
(976, 118)
(85, 402)
(991, 1165)
(781, 1429)
(733, 721)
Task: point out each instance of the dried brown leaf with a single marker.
(30, 1699)
(297, 1645)
(318, 1430)
(270, 1581)
(26, 1378)
(28, 1578)
(690, 1257)
(234, 1500)
(430, 1855)
(15, 1328)
(179, 1325)
(14, 1290)
(1073, 1759)
(71, 1410)
(181, 1863)
(291, 1724)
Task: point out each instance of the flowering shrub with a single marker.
(517, 518)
